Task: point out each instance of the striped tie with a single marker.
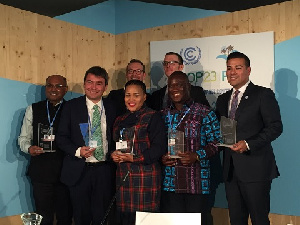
(234, 104)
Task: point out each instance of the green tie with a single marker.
(97, 135)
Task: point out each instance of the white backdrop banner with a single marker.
(205, 60)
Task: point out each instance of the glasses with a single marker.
(57, 86)
(171, 63)
(138, 72)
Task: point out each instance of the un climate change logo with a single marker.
(190, 55)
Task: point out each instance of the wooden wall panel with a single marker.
(34, 47)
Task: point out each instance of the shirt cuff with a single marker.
(77, 153)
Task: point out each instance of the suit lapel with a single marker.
(244, 100)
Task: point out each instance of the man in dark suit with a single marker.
(50, 195)
(249, 165)
(174, 62)
(135, 70)
(85, 135)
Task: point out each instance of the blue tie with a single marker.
(234, 104)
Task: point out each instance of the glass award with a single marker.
(46, 138)
(175, 143)
(126, 140)
(228, 131)
(84, 129)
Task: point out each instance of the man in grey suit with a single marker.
(249, 165)
(87, 168)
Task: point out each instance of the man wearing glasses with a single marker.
(135, 70)
(174, 62)
(37, 137)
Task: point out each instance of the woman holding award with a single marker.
(140, 142)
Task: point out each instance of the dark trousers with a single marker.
(53, 199)
(92, 194)
(187, 203)
(246, 199)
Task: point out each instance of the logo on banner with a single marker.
(225, 51)
(190, 55)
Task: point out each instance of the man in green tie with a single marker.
(85, 137)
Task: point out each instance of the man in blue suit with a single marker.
(86, 168)
(249, 165)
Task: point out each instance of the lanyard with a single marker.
(121, 134)
(51, 122)
(170, 123)
(93, 129)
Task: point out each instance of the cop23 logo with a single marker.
(190, 55)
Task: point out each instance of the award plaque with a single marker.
(126, 140)
(175, 143)
(228, 131)
(46, 138)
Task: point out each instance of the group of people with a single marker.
(91, 150)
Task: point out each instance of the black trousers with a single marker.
(92, 194)
(53, 199)
(172, 202)
(248, 198)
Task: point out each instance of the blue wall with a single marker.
(121, 16)
(15, 189)
(117, 16)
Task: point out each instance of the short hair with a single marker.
(179, 73)
(138, 83)
(180, 59)
(239, 55)
(136, 61)
(98, 72)
(57, 75)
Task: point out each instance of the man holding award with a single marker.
(249, 162)
(193, 134)
(37, 138)
(85, 135)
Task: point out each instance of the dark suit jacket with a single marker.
(69, 137)
(259, 123)
(157, 97)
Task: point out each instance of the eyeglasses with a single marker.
(57, 86)
(138, 72)
(171, 63)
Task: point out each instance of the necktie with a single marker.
(97, 134)
(234, 104)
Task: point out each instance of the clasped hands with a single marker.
(86, 151)
(239, 147)
(119, 157)
(186, 158)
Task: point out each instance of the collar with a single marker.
(186, 105)
(242, 89)
(91, 104)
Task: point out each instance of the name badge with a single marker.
(121, 145)
(49, 137)
(93, 144)
(172, 141)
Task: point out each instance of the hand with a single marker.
(239, 147)
(86, 151)
(188, 158)
(120, 157)
(168, 161)
(35, 150)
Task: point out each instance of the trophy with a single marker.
(31, 218)
(228, 131)
(175, 143)
(46, 138)
(126, 140)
